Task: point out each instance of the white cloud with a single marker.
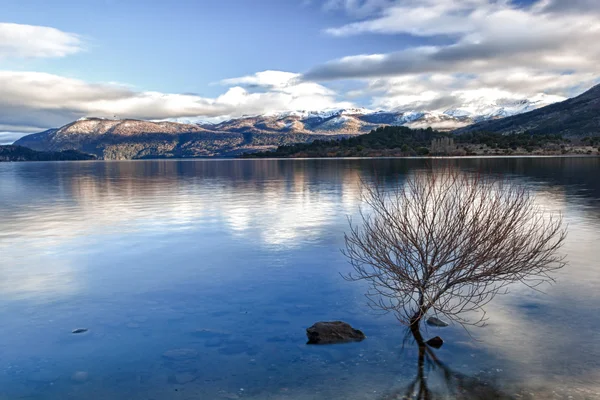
(280, 82)
(423, 18)
(494, 49)
(25, 41)
(478, 92)
(271, 91)
(263, 79)
(33, 101)
(485, 35)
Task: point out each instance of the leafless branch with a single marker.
(447, 241)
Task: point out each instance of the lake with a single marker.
(197, 280)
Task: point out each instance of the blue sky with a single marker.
(184, 46)
(194, 60)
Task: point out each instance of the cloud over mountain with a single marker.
(33, 101)
(488, 46)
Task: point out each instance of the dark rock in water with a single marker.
(333, 332)
(433, 321)
(436, 342)
(79, 330)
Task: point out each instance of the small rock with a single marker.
(79, 330)
(333, 332)
(80, 376)
(433, 321)
(180, 354)
(436, 342)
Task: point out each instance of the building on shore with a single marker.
(443, 146)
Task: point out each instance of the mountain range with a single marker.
(578, 116)
(136, 139)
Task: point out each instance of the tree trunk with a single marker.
(415, 324)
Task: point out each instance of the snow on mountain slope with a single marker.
(480, 110)
(575, 117)
(338, 121)
(362, 120)
(328, 113)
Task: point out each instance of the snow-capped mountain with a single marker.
(361, 120)
(327, 113)
(189, 137)
(352, 122)
(578, 116)
(480, 110)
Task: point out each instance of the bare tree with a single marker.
(446, 242)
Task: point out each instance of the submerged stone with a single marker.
(435, 342)
(433, 321)
(333, 332)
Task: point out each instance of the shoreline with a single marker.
(503, 156)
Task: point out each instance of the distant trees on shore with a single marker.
(403, 141)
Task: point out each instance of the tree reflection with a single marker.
(450, 385)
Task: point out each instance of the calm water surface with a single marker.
(197, 279)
